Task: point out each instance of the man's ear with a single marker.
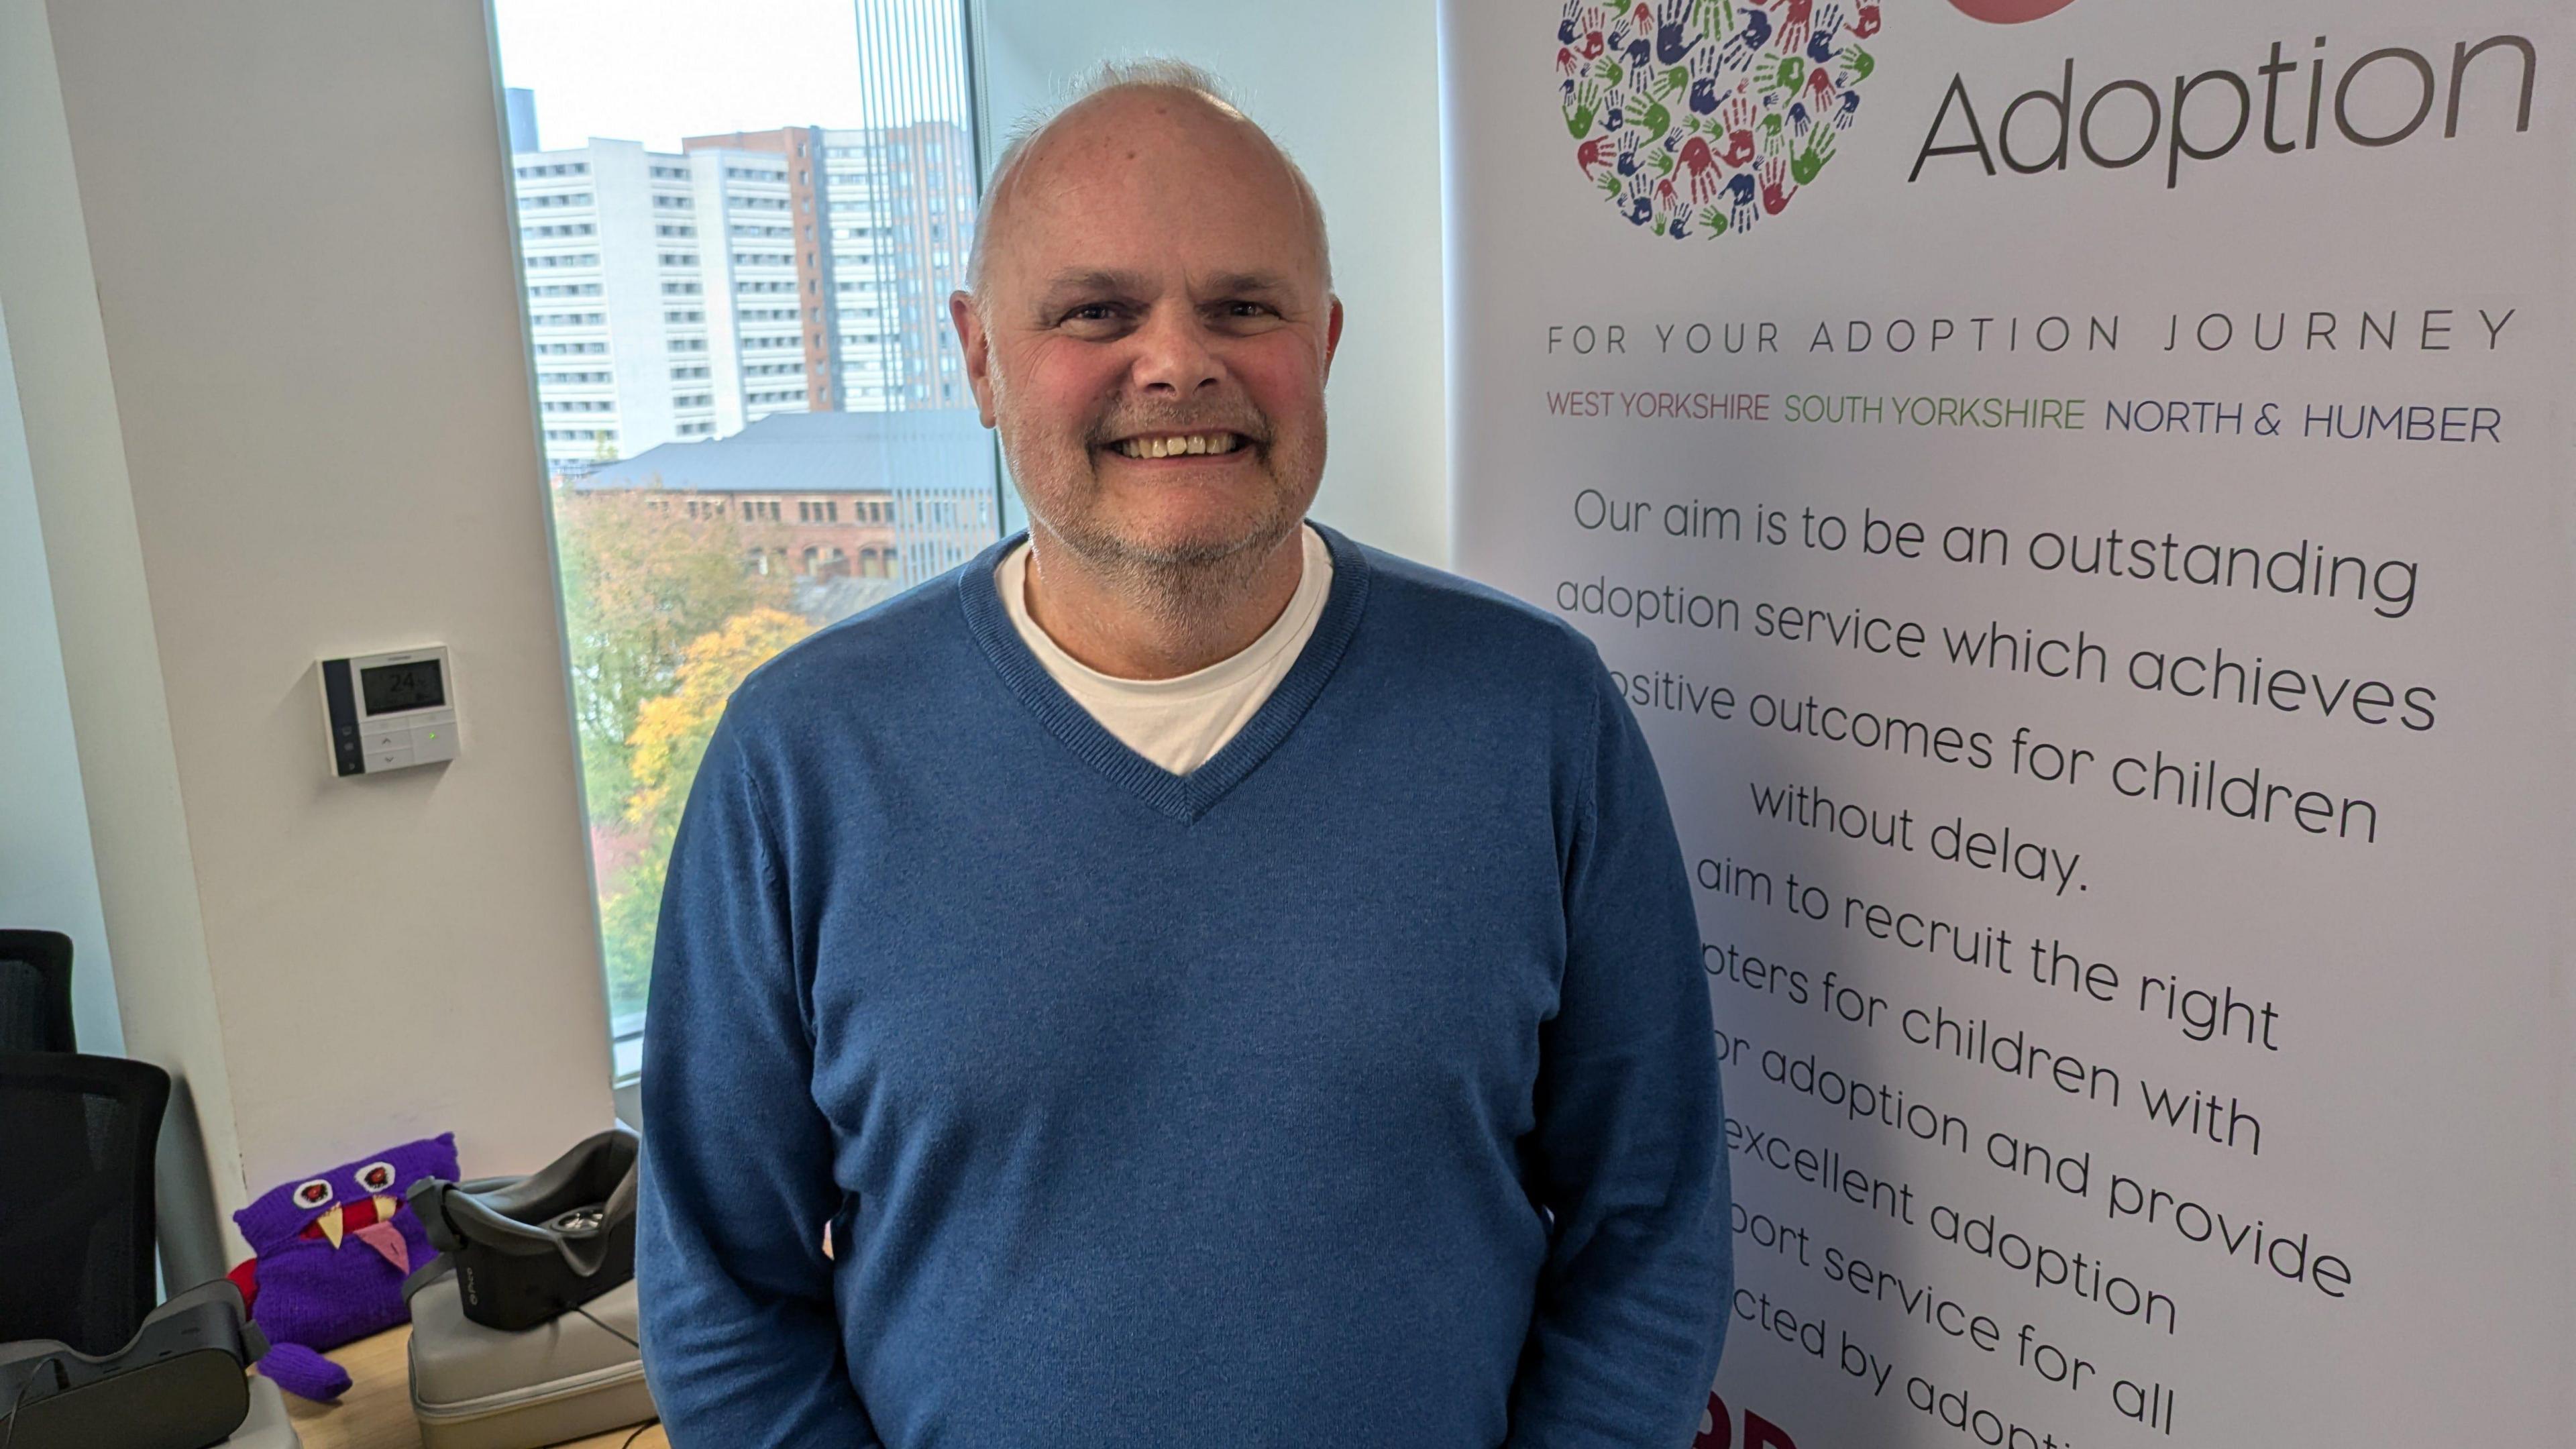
(977, 345)
(1332, 337)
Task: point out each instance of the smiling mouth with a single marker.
(1181, 445)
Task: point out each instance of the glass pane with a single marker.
(740, 226)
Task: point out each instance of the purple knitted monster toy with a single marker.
(333, 1253)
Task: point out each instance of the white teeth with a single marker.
(1190, 446)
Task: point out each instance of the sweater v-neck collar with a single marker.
(1182, 797)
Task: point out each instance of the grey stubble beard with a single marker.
(1186, 588)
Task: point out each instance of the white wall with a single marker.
(46, 880)
(1352, 90)
(265, 254)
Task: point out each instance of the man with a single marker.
(1219, 984)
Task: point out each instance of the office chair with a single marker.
(35, 992)
(76, 1143)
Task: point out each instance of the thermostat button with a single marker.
(389, 759)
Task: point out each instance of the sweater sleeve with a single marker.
(1628, 1152)
(742, 1346)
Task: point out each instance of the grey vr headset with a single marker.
(527, 1250)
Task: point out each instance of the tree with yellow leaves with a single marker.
(671, 735)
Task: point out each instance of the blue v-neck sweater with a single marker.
(1356, 1089)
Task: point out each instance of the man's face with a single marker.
(1153, 335)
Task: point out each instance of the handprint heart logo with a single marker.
(1705, 117)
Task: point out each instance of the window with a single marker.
(654, 566)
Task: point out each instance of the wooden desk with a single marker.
(376, 1411)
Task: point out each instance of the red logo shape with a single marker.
(2010, 12)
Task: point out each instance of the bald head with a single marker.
(1132, 114)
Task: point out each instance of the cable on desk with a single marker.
(630, 1439)
(53, 1361)
(584, 1312)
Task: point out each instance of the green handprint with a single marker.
(1610, 182)
(1662, 161)
(1656, 120)
(1715, 220)
(1772, 137)
(1810, 162)
(1587, 105)
(1862, 63)
(1610, 71)
(1717, 17)
(1673, 80)
(1789, 75)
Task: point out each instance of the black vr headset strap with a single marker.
(428, 1199)
(423, 1277)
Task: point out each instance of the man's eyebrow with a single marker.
(1235, 284)
(1065, 284)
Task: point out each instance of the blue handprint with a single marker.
(1820, 49)
(1641, 205)
(1670, 46)
(1570, 27)
(1704, 90)
(1744, 195)
(1748, 42)
(1798, 121)
(1627, 153)
(1849, 112)
(1680, 224)
(1617, 118)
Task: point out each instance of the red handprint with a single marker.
(1867, 25)
(1797, 17)
(1737, 119)
(1645, 17)
(1566, 64)
(1777, 188)
(1823, 87)
(1701, 165)
(1593, 45)
(1664, 198)
(1595, 152)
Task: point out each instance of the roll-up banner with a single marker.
(2078, 494)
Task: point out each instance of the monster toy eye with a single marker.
(313, 1194)
(376, 1176)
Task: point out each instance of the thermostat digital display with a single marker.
(392, 688)
(389, 711)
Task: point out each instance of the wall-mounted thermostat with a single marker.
(390, 711)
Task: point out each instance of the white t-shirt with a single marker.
(1179, 723)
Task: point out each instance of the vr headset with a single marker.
(178, 1384)
(528, 1250)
